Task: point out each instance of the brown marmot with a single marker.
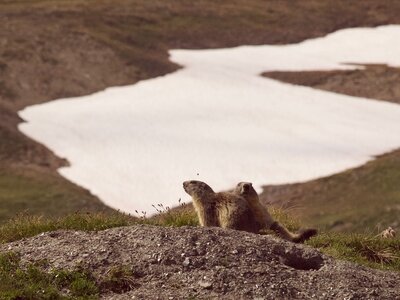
(264, 219)
(225, 209)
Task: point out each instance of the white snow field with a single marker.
(219, 121)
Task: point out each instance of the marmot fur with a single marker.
(225, 209)
(264, 219)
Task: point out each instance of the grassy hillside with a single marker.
(361, 199)
(35, 192)
(91, 45)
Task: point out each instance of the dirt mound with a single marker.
(186, 262)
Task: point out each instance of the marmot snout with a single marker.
(197, 188)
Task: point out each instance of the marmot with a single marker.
(225, 209)
(264, 219)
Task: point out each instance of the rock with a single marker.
(186, 262)
(205, 284)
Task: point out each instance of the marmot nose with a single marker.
(185, 186)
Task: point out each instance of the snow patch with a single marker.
(133, 146)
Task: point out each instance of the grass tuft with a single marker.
(31, 282)
(365, 249)
(23, 226)
(183, 216)
(283, 216)
(120, 279)
(26, 226)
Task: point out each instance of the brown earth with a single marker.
(204, 263)
(55, 49)
(379, 82)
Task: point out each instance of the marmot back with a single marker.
(234, 212)
(264, 219)
(261, 214)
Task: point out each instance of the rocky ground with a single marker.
(206, 263)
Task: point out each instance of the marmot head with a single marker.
(245, 188)
(197, 188)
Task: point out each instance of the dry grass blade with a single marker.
(382, 256)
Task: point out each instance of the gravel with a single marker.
(207, 263)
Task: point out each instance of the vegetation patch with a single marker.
(41, 193)
(24, 226)
(120, 279)
(361, 200)
(364, 249)
(32, 282)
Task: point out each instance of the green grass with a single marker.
(33, 282)
(364, 249)
(24, 226)
(363, 200)
(27, 226)
(120, 279)
(366, 197)
(42, 193)
(285, 217)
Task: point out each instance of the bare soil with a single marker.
(379, 82)
(205, 263)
